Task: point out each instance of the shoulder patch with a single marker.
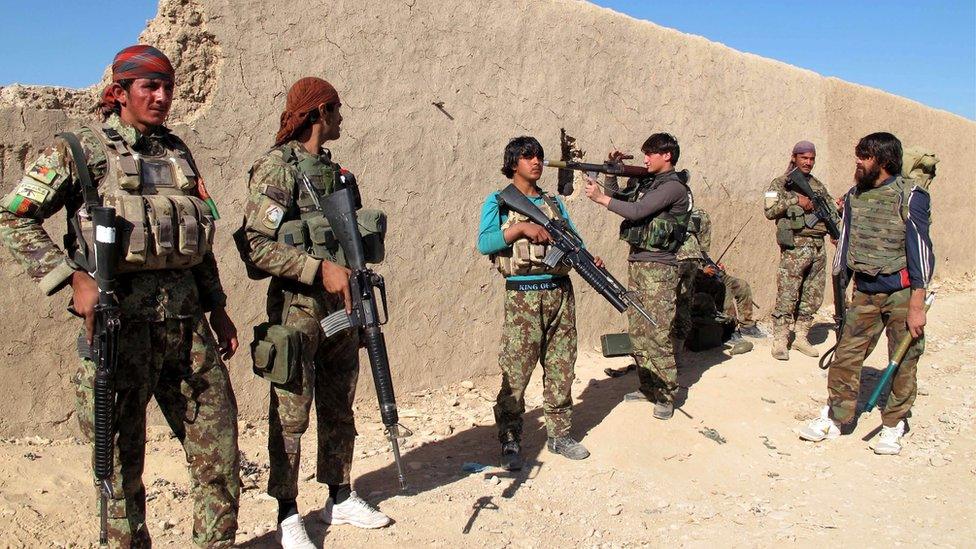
(272, 216)
(43, 174)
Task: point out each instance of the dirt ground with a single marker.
(728, 469)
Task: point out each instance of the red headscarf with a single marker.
(139, 61)
(303, 98)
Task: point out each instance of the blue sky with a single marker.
(923, 50)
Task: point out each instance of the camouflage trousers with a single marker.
(867, 316)
(738, 300)
(328, 375)
(656, 285)
(175, 362)
(540, 327)
(800, 282)
(687, 271)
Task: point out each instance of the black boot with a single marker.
(511, 453)
(567, 447)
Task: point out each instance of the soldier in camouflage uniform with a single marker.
(656, 211)
(885, 243)
(284, 236)
(803, 259)
(168, 351)
(691, 259)
(540, 309)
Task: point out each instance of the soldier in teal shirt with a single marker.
(540, 309)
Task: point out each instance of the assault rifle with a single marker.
(568, 248)
(822, 210)
(893, 363)
(340, 209)
(105, 353)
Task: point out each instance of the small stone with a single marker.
(493, 480)
(614, 510)
(467, 384)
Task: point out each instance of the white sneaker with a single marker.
(354, 511)
(822, 428)
(292, 534)
(889, 440)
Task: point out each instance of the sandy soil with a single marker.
(648, 482)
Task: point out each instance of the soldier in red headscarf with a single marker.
(286, 237)
(167, 286)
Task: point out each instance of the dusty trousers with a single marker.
(656, 285)
(540, 327)
(174, 361)
(868, 316)
(328, 375)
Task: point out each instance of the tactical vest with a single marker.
(692, 247)
(877, 230)
(664, 231)
(308, 228)
(523, 257)
(161, 221)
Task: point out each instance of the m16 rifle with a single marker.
(567, 247)
(105, 353)
(364, 284)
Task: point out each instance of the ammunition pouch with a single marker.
(314, 235)
(695, 222)
(784, 234)
(796, 217)
(525, 258)
(156, 231)
(659, 234)
(276, 352)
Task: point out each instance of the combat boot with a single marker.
(802, 343)
(781, 335)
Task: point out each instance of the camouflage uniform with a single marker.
(296, 298)
(691, 259)
(802, 266)
(540, 327)
(656, 286)
(168, 351)
(540, 320)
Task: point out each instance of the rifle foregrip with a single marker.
(104, 432)
(589, 272)
(380, 365)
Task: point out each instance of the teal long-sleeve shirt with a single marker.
(491, 239)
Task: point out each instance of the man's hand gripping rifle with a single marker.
(340, 209)
(568, 248)
(822, 209)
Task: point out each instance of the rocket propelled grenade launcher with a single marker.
(340, 209)
(893, 363)
(607, 168)
(568, 248)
